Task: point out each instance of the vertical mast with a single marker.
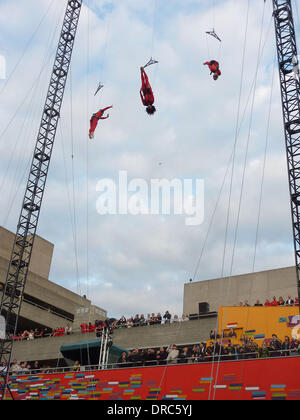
(290, 93)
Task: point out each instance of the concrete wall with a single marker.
(88, 313)
(166, 334)
(40, 263)
(51, 294)
(262, 320)
(39, 287)
(232, 291)
(141, 337)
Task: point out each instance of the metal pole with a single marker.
(104, 349)
(101, 350)
(290, 93)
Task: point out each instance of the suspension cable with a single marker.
(27, 47)
(243, 178)
(233, 158)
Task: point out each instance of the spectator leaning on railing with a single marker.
(275, 346)
(173, 354)
(15, 367)
(143, 321)
(286, 345)
(161, 356)
(123, 358)
(136, 321)
(135, 358)
(294, 343)
(264, 351)
(167, 317)
(195, 354)
(68, 329)
(76, 367)
(184, 355)
(129, 323)
(274, 302)
(3, 368)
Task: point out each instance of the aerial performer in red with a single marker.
(214, 68)
(147, 93)
(95, 118)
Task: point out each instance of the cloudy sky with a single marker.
(139, 264)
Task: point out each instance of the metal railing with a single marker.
(94, 331)
(155, 363)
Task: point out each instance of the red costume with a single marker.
(95, 118)
(213, 67)
(146, 90)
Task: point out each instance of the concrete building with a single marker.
(45, 303)
(230, 291)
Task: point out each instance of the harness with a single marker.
(214, 63)
(97, 118)
(214, 67)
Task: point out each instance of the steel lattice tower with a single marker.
(289, 83)
(28, 221)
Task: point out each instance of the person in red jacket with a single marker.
(146, 93)
(95, 118)
(214, 68)
(274, 302)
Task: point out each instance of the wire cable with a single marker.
(4, 131)
(27, 152)
(243, 177)
(260, 197)
(264, 169)
(87, 153)
(233, 161)
(73, 185)
(247, 147)
(27, 47)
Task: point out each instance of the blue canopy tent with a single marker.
(88, 352)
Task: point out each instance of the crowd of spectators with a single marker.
(20, 368)
(135, 321)
(214, 350)
(45, 332)
(274, 302)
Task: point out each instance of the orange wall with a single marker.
(264, 320)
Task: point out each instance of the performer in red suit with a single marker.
(95, 118)
(214, 68)
(147, 93)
